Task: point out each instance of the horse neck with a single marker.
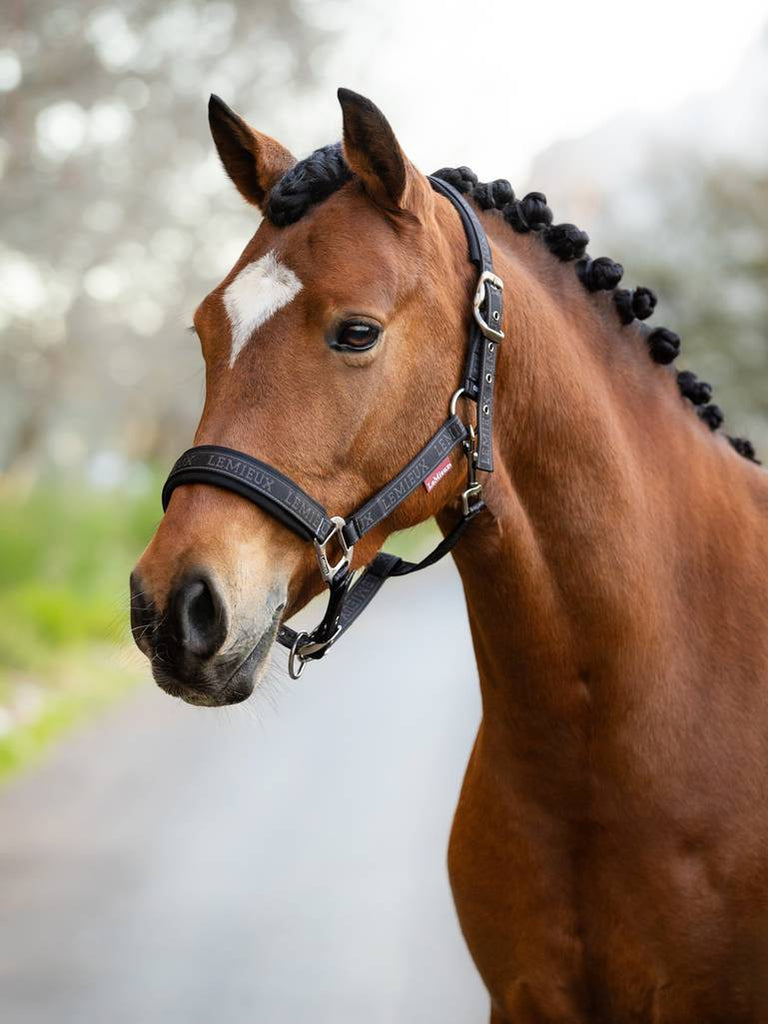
(602, 478)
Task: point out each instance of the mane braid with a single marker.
(569, 243)
(324, 172)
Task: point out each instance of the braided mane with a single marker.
(324, 172)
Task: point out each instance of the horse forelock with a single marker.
(306, 184)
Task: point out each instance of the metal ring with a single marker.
(293, 672)
(454, 399)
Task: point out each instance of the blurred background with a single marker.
(164, 863)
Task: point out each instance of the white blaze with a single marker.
(258, 291)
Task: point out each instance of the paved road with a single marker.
(268, 865)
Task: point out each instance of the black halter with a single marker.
(278, 495)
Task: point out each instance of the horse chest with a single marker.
(635, 919)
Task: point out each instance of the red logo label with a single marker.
(438, 473)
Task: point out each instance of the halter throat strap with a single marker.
(282, 498)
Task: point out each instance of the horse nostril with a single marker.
(200, 616)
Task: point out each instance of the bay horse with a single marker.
(609, 853)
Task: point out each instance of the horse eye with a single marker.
(356, 336)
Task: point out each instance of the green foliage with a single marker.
(65, 556)
(83, 686)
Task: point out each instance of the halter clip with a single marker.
(328, 571)
(303, 649)
(472, 496)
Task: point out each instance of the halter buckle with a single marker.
(303, 649)
(328, 571)
(486, 278)
(473, 491)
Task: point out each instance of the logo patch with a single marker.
(438, 473)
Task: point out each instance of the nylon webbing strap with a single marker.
(370, 581)
(477, 241)
(278, 494)
(421, 466)
(480, 367)
(260, 483)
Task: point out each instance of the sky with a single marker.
(491, 83)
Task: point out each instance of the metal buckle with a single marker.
(473, 491)
(302, 650)
(328, 571)
(494, 333)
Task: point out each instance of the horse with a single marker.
(609, 853)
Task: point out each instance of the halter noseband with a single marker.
(283, 499)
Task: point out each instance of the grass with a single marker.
(65, 556)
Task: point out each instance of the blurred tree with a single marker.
(108, 240)
(681, 199)
(703, 244)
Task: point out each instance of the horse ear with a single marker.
(373, 153)
(253, 161)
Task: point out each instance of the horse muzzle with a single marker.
(195, 650)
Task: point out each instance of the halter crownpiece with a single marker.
(283, 499)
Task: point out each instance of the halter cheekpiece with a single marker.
(283, 499)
